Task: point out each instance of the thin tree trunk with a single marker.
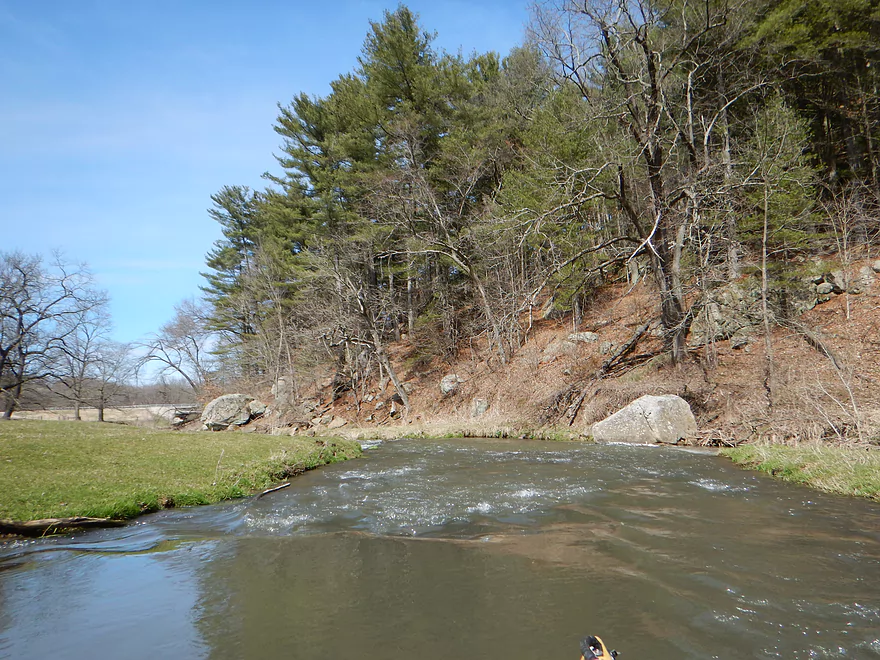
(410, 310)
(765, 312)
(382, 356)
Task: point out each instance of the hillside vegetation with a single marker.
(694, 182)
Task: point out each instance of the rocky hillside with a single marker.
(818, 380)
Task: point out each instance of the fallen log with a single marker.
(55, 525)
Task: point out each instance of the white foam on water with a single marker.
(717, 486)
(528, 493)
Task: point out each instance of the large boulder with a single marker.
(647, 420)
(230, 410)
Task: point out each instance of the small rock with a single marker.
(739, 341)
(379, 405)
(837, 280)
(605, 347)
(449, 383)
(583, 337)
(824, 288)
(479, 407)
(875, 266)
(257, 408)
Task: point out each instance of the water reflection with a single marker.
(468, 549)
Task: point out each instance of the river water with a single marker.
(467, 549)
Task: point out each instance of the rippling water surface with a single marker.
(467, 549)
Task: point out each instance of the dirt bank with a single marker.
(822, 384)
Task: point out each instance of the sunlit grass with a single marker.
(841, 470)
(61, 469)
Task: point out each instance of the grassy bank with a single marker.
(831, 469)
(63, 469)
(445, 431)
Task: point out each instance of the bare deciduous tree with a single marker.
(38, 308)
(182, 346)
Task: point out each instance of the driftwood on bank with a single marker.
(272, 490)
(55, 525)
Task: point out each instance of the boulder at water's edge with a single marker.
(647, 420)
(228, 410)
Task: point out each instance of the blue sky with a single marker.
(119, 120)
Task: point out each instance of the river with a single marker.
(509, 550)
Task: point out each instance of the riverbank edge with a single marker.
(440, 431)
(840, 470)
(105, 495)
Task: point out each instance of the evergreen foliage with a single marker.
(444, 197)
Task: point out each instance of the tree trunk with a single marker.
(765, 312)
(410, 310)
(382, 356)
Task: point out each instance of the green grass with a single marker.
(840, 470)
(62, 469)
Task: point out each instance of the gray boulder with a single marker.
(227, 410)
(449, 383)
(647, 420)
(479, 407)
(257, 408)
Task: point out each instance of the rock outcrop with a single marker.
(735, 310)
(648, 420)
(231, 410)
